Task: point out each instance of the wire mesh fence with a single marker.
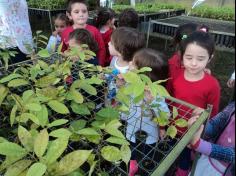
(141, 130)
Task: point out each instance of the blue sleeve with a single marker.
(217, 124)
(52, 43)
(226, 154)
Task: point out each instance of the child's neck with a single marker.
(193, 77)
(121, 62)
(79, 26)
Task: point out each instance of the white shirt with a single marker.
(114, 65)
(53, 43)
(15, 30)
(146, 124)
(233, 76)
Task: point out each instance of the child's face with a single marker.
(60, 25)
(73, 43)
(79, 14)
(112, 22)
(195, 59)
(112, 50)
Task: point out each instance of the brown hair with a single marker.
(62, 17)
(72, 2)
(155, 60)
(127, 41)
(83, 36)
(128, 18)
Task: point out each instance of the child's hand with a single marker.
(231, 83)
(120, 81)
(55, 33)
(162, 134)
(207, 70)
(197, 112)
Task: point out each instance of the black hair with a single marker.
(83, 36)
(156, 60)
(200, 38)
(128, 18)
(72, 2)
(127, 41)
(103, 15)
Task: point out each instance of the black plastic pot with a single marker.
(164, 147)
(147, 166)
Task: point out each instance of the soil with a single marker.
(216, 25)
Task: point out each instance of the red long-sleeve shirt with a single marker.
(107, 38)
(101, 54)
(199, 93)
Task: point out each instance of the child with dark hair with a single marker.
(60, 22)
(194, 85)
(77, 11)
(81, 36)
(128, 18)
(158, 63)
(182, 32)
(124, 43)
(105, 23)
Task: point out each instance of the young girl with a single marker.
(218, 146)
(82, 36)
(193, 84)
(174, 62)
(122, 52)
(60, 22)
(105, 23)
(78, 12)
(158, 63)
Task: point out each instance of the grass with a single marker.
(222, 66)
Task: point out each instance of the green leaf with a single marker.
(55, 150)
(31, 117)
(162, 91)
(72, 161)
(181, 123)
(43, 116)
(163, 119)
(25, 138)
(131, 77)
(57, 123)
(88, 132)
(175, 112)
(116, 140)
(61, 133)
(111, 154)
(17, 168)
(144, 69)
(58, 107)
(112, 128)
(33, 107)
(37, 169)
(171, 131)
(26, 95)
(126, 154)
(13, 115)
(88, 88)
(81, 109)
(77, 96)
(44, 53)
(10, 77)
(77, 125)
(3, 92)
(17, 83)
(109, 113)
(41, 143)
(11, 149)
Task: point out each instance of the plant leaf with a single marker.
(3, 92)
(77, 96)
(31, 117)
(13, 115)
(126, 154)
(57, 123)
(61, 133)
(73, 161)
(41, 143)
(175, 112)
(58, 107)
(10, 77)
(77, 125)
(33, 107)
(25, 138)
(81, 109)
(37, 169)
(17, 83)
(44, 53)
(181, 123)
(55, 150)
(171, 131)
(112, 128)
(17, 168)
(111, 153)
(116, 140)
(88, 132)
(11, 149)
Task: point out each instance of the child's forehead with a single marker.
(79, 5)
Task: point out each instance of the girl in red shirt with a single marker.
(194, 85)
(105, 23)
(77, 11)
(174, 62)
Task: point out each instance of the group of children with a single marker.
(123, 49)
